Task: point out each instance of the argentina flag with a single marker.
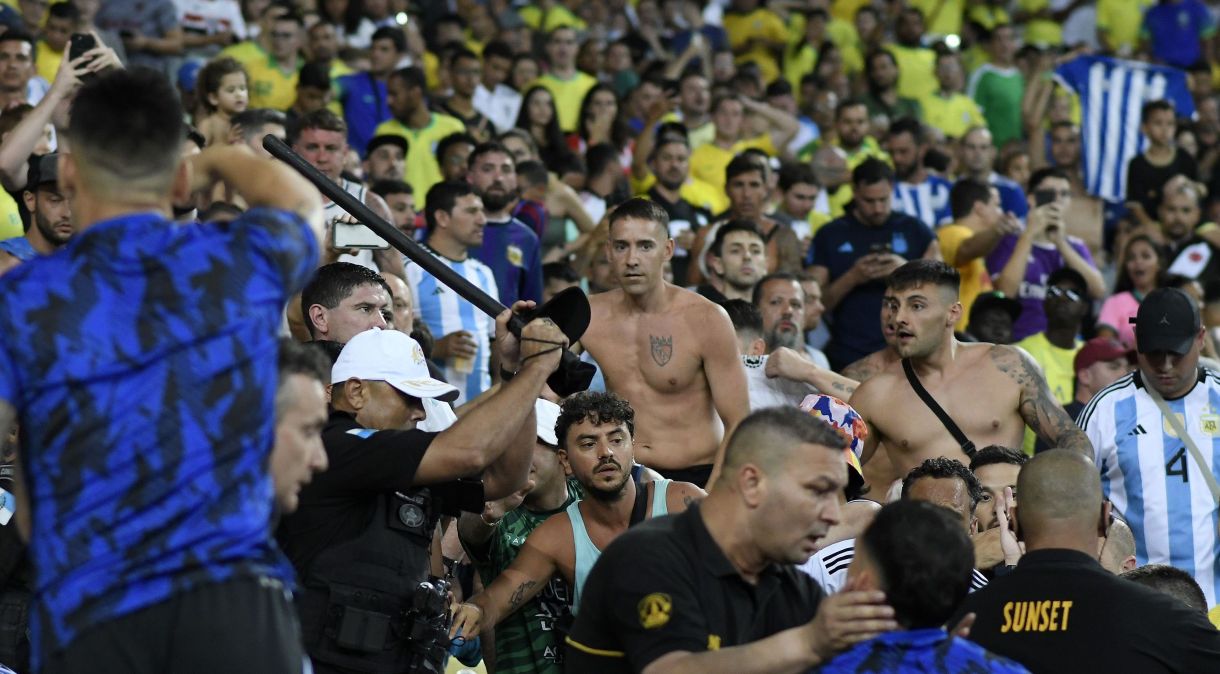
(1112, 93)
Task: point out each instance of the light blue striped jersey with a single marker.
(1112, 96)
(445, 312)
(1152, 479)
(928, 201)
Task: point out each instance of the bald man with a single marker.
(714, 589)
(1060, 610)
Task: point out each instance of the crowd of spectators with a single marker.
(979, 239)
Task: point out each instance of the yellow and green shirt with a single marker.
(422, 170)
(953, 114)
(708, 162)
(568, 94)
(270, 86)
(761, 24)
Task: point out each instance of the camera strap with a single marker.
(967, 446)
(1180, 429)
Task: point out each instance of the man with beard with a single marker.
(781, 299)
(990, 392)
(50, 216)
(978, 163)
(678, 193)
(737, 257)
(852, 255)
(423, 129)
(510, 248)
(917, 192)
(882, 100)
(596, 433)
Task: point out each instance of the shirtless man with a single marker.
(671, 353)
(990, 391)
(594, 431)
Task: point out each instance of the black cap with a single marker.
(995, 300)
(386, 139)
(43, 169)
(1168, 320)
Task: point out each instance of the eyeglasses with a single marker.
(1056, 291)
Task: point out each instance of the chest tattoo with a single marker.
(662, 348)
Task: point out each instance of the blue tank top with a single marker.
(587, 553)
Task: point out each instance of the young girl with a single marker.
(222, 91)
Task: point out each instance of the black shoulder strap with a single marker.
(640, 510)
(958, 435)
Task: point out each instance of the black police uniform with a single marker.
(1060, 611)
(359, 542)
(666, 586)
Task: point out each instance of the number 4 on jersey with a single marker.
(1177, 465)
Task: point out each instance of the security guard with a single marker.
(360, 538)
(1059, 610)
(716, 585)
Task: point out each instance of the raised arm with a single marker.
(784, 126)
(261, 182)
(1038, 406)
(520, 582)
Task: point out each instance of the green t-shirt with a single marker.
(999, 91)
(526, 640)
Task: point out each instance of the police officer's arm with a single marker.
(1038, 407)
(520, 582)
(496, 438)
(8, 419)
(261, 182)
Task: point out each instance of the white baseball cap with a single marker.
(392, 357)
(547, 413)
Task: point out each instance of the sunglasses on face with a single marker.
(1056, 291)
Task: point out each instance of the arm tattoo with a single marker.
(861, 370)
(843, 388)
(687, 500)
(519, 595)
(662, 348)
(1041, 412)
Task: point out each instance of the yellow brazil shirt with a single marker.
(708, 162)
(974, 273)
(10, 217)
(941, 17)
(761, 25)
(844, 35)
(47, 60)
(568, 94)
(555, 17)
(422, 170)
(1120, 21)
(1041, 32)
(1057, 367)
(270, 86)
(337, 69)
(916, 71)
(953, 115)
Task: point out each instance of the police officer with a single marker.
(714, 589)
(360, 538)
(1059, 610)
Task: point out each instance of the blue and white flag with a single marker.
(1112, 93)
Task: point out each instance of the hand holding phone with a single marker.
(80, 44)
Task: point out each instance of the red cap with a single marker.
(1101, 349)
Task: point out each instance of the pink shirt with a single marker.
(1116, 312)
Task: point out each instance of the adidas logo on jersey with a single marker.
(438, 290)
(1138, 430)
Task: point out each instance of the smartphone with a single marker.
(78, 45)
(880, 249)
(347, 235)
(1044, 197)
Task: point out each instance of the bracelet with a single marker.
(493, 524)
(505, 375)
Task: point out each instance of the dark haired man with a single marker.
(671, 595)
(50, 226)
(1171, 581)
(250, 126)
(300, 415)
(917, 554)
(989, 392)
(343, 300)
(737, 258)
(453, 155)
(669, 352)
(320, 137)
(851, 256)
(687, 201)
(947, 483)
(406, 91)
(19, 82)
(977, 227)
(595, 434)
(465, 71)
(917, 193)
(400, 199)
(385, 158)
(510, 248)
(456, 223)
(363, 95)
(125, 557)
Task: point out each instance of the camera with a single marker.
(427, 620)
